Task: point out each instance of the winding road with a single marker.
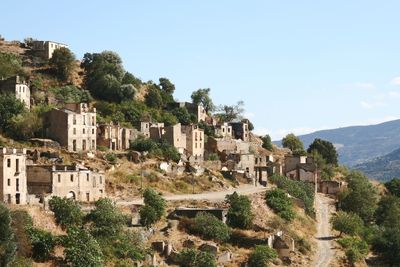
(209, 196)
(324, 207)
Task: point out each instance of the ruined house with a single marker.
(194, 141)
(115, 137)
(45, 49)
(146, 128)
(17, 86)
(301, 168)
(13, 187)
(69, 181)
(224, 130)
(73, 126)
(331, 187)
(240, 130)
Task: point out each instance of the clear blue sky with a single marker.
(297, 65)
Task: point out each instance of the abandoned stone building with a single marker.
(19, 87)
(13, 185)
(223, 130)
(226, 146)
(173, 135)
(194, 141)
(146, 127)
(115, 137)
(197, 111)
(301, 168)
(73, 126)
(240, 130)
(69, 181)
(45, 49)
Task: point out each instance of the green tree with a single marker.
(387, 245)
(43, 244)
(267, 142)
(107, 219)
(129, 78)
(25, 126)
(167, 86)
(229, 113)
(81, 249)
(143, 144)
(153, 209)
(210, 227)
(348, 223)
(393, 186)
(388, 211)
(10, 64)
(360, 197)
(294, 143)
(325, 149)
(8, 246)
(67, 212)
(262, 256)
(355, 248)
(195, 258)
(153, 98)
(9, 107)
(239, 212)
(182, 115)
(63, 62)
(279, 201)
(202, 97)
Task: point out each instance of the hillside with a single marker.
(358, 144)
(382, 168)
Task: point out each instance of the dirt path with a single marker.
(324, 207)
(209, 196)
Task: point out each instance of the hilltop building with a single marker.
(17, 86)
(46, 49)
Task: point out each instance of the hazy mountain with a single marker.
(382, 168)
(358, 144)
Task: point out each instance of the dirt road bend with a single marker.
(209, 196)
(324, 207)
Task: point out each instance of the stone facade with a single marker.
(173, 135)
(18, 86)
(224, 130)
(147, 127)
(240, 130)
(194, 141)
(69, 181)
(74, 127)
(115, 137)
(46, 49)
(301, 168)
(13, 186)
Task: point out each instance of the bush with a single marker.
(8, 246)
(66, 211)
(213, 157)
(111, 157)
(210, 227)
(195, 258)
(262, 256)
(71, 94)
(43, 244)
(153, 209)
(239, 213)
(279, 201)
(81, 249)
(355, 248)
(298, 189)
(143, 144)
(348, 223)
(107, 219)
(21, 223)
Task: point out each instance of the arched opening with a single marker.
(71, 195)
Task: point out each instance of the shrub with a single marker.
(279, 201)
(8, 246)
(107, 219)
(239, 213)
(43, 244)
(143, 144)
(355, 248)
(262, 256)
(111, 157)
(298, 189)
(213, 157)
(210, 227)
(66, 211)
(21, 223)
(81, 249)
(153, 209)
(348, 223)
(195, 258)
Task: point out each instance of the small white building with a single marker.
(46, 48)
(17, 86)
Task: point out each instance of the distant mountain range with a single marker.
(383, 168)
(373, 148)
